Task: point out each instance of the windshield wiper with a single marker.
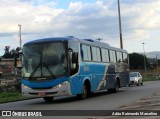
(34, 71)
(45, 65)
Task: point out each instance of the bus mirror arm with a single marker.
(18, 61)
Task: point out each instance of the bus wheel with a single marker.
(84, 93)
(48, 99)
(115, 89)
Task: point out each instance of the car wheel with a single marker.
(138, 83)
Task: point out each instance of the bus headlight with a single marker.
(57, 86)
(64, 83)
(60, 85)
(25, 87)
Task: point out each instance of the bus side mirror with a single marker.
(74, 57)
(18, 60)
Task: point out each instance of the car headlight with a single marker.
(136, 79)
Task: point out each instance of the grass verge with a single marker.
(151, 79)
(11, 96)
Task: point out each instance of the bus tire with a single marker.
(84, 94)
(116, 88)
(48, 99)
(110, 90)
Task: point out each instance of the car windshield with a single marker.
(44, 60)
(133, 74)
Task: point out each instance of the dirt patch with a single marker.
(148, 103)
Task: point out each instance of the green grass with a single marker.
(151, 79)
(11, 96)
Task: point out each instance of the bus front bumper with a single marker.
(58, 90)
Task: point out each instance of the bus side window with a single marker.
(105, 55)
(112, 56)
(125, 58)
(96, 54)
(85, 53)
(119, 57)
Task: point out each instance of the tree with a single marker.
(12, 53)
(6, 49)
(137, 61)
(8, 53)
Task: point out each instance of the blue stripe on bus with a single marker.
(43, 84)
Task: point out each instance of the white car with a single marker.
(135, 79)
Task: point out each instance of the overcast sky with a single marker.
(82, 19)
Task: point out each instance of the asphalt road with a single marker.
(127, 98)
(99, 101)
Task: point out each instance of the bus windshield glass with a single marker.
(44, 60)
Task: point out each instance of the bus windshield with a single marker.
(44, 60)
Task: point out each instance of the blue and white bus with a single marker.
(65, 66)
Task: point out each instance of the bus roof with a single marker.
(83, 41)
(52, 39)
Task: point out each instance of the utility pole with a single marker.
(120, 28)
(20, 39)
(157, 64)
(145, 68)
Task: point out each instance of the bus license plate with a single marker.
(41, 93)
